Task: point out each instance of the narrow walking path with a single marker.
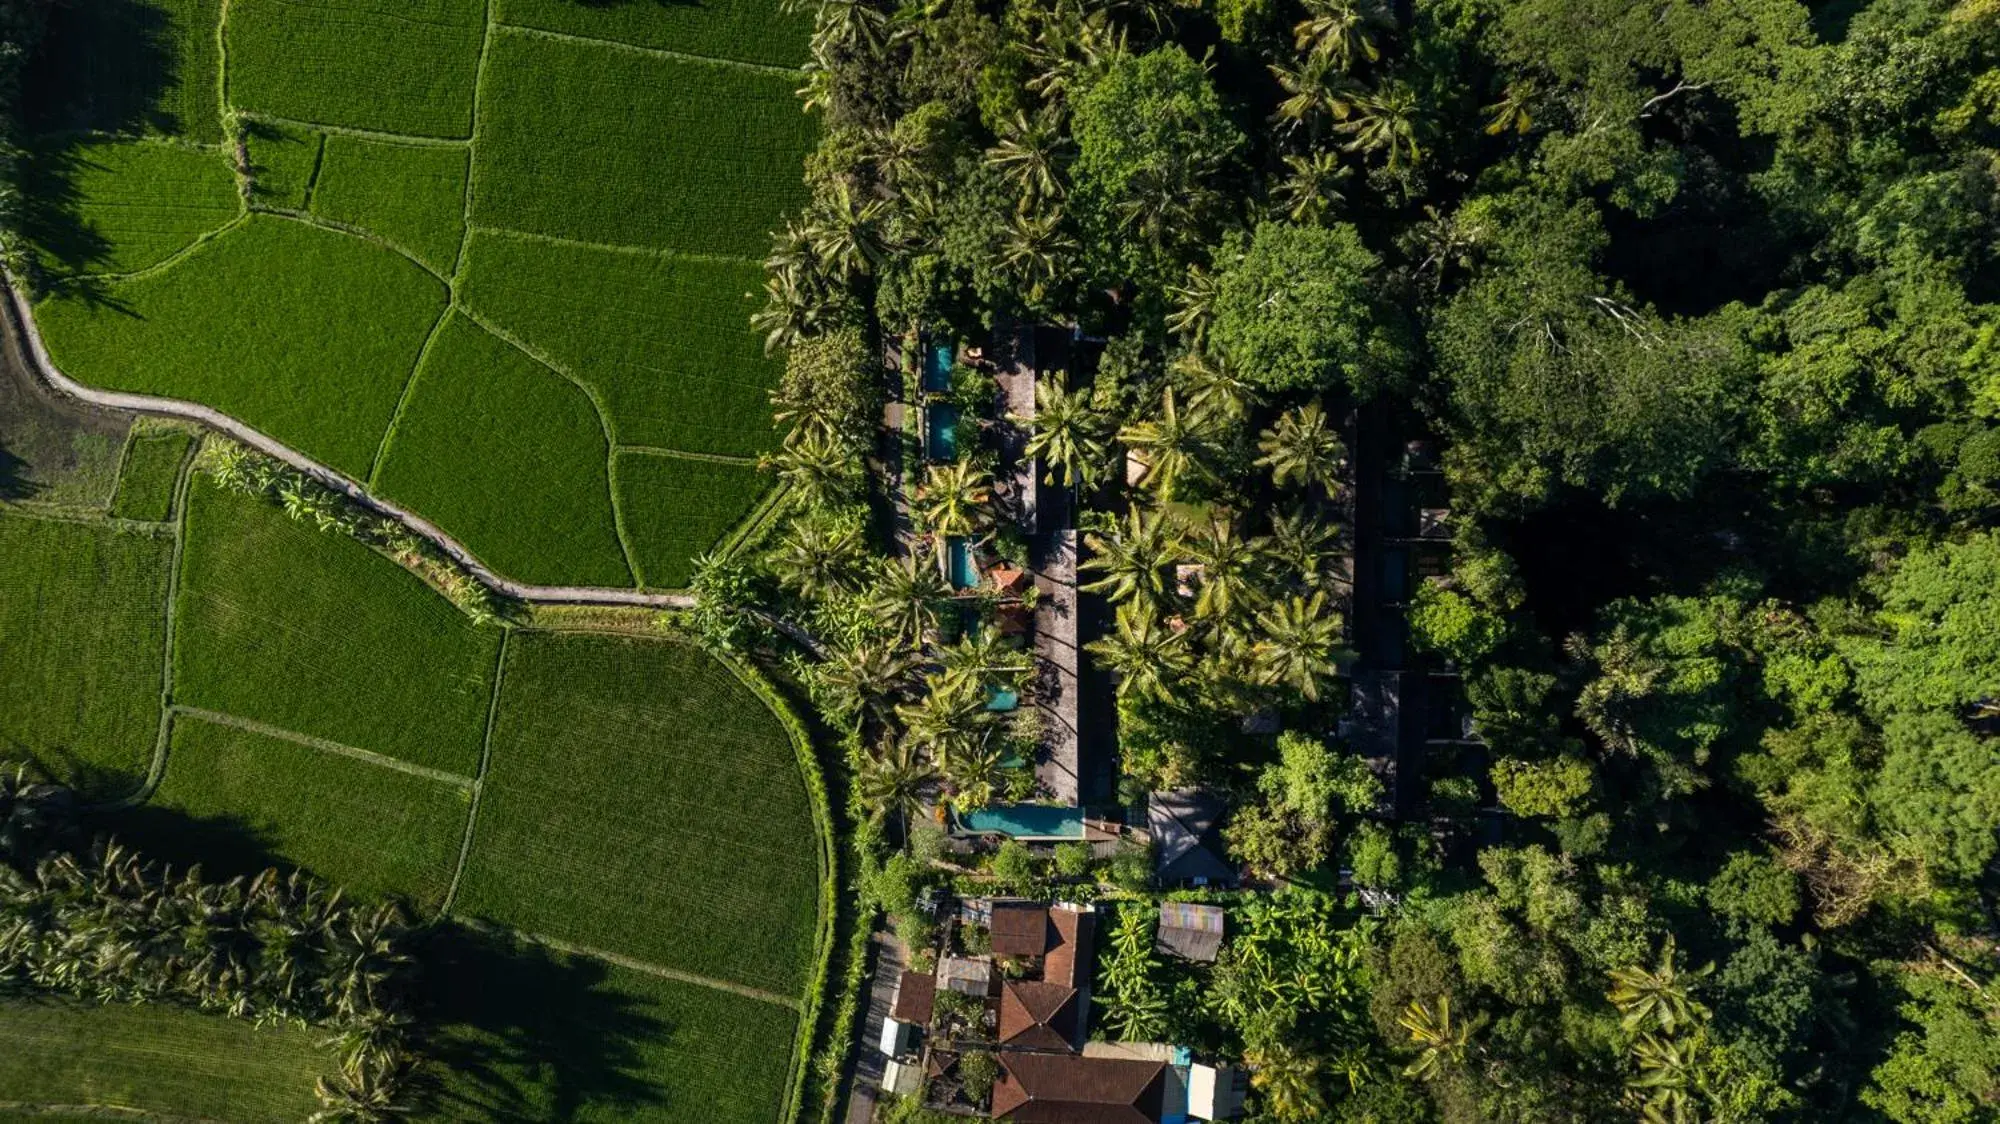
(46, 370)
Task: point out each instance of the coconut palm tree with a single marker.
(1037, 249)
(976, 775)
(953, 499)
(1665, 1081)
(1030, 155)
(820, 467)
(853, 25)
(1318, 93)
(1513, 113)
(1391, 123)
(1301, 644)
(1172, 444)
(844, 230)
(1341, 31)
(1143, 652)
(1194, 306)
(1440, 1042)
(949, 721)
(1231, 568)
(906, 594)
(1137, 560)
(1311, 188)
(1308, 546)
(1070, 435)
(1217, 394)
(894, 779)
(817, 557)
(865, 678)
(1289, 1081)
(794, 308)
(987, 657)
(1658, 998)
(1303, 448)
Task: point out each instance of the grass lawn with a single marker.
(744, 30)
(316, 633)
(283, 160)
(666, 341)
(140, 202)
(397, 66)
(82, 649)
(176, 1063)
(603, 145)
(411, 196)
(508, 457)
(305, 334)
(363, 827)
(533, 1035)
(678, 508)
(152, 469)
(642, 801)
(127, 66)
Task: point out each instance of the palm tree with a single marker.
(1194, 306)
(1171, 444)
(952, 501)
(1289, 1081)
(1231, 568)
(1342, 31)
(1301, 645)
(1317, 93)
(986, 658)
(843, 229)
(1666, 1077)
(949, 721)
(867, 677)
(1311, 191)
(1307, 545)
(1069, 433)
(1657, 998)
(1440, 1043)
(975, 776)
(1216, 393)
(851, 24)
(1143, 652)
(906, 594)
(817, 465)
(1137, 560)
(1303, 449)
(1036, 248)
(1030, 155)
(793, 309)
(1392, 122)
(1512, 113)
(817, 557)
(894, 779)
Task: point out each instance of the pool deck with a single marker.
(1058, 660)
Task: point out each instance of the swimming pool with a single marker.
(1025, 821)
(941, 432)
(937, 366)
(958, 563)
(1002, 699)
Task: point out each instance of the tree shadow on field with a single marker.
(15, 483)
(101, 69)
(518, 1032)
(224, 847)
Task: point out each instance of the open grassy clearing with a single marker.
(549, 1037)
(283, 159)
(397, 66)
(743, 30)
(541, 507)
(412, 196)
(668, 824)
(305, 334)
(678, 508)
(140, 202)
(369, 829)
(82, 649)
(601, 145)
(316, 633)
(663, 339)
(152, 469)
(176, 1063)
(128, 66)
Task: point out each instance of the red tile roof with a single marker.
(1020, 929)
(1068, 1089)
(1069, 960)
(1037, 1015)
(916, 998)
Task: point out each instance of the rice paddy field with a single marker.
(618, 821)
(492, 258)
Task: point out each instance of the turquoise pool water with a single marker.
(958, 563)
(1001, 699)
(937, 367)
(1026, 821)
(941, 432)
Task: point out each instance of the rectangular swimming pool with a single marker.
(937, 367)
(1025, 821)
(941, 433)
(958, 563)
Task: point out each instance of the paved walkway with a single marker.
(45, 368)
(869, 1061)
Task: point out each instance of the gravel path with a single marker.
(24, 324)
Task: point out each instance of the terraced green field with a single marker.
(149, 475)
(593, 184)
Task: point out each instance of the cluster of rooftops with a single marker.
(1049, 1073)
